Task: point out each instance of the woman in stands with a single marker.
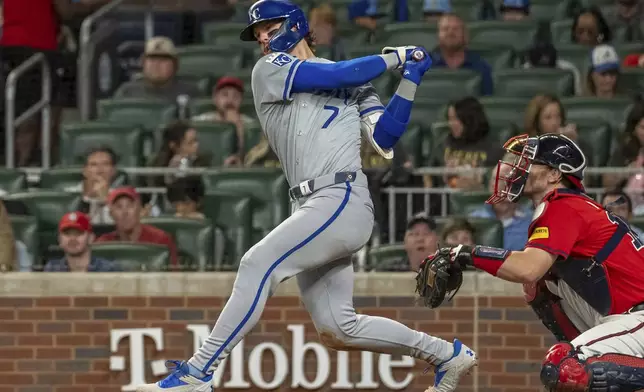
(546, 114)
(602, 79)
(590, 28)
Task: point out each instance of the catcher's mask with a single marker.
(553, 150)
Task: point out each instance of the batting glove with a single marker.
(414, 70)
(403, 53)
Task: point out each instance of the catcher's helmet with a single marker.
(287, 37)
(554, 150)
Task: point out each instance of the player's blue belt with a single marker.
(308, 187)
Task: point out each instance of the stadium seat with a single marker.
(25, 229)
(488, 232)
(12, 180)
(428, 110)
(517, 35)
(595, 139)
(551, 10)
(613, 111)
(77, 139)
(134, 257)
(221, 33)
(217, 140)
(464, 203)
(47, 207)
(638, 221)
(411, 33)
(267, 187)
(497, 57)
(449, 84)
(134, 112)
(526, 83)
(504, 110)
(498, 133)
(131, 24)
(632, 80)
(412, 143)
(64, 178)
(561, 32)
(202, 60)
(355, 35)
(233, 214)
(578, 55)
(383, 256)
(194, 239)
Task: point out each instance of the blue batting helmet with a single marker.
(286, 37)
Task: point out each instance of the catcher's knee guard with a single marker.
(562, 370)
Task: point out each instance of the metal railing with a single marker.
(43, 106)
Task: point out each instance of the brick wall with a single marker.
(62, 344)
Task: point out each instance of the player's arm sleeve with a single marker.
(394, 120)
(557, 230)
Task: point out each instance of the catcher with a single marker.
(582, 269)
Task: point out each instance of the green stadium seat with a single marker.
(500, 133)
(268, 188)
(464, 203)
(526, 83)
(204, 60)
(134, 112)
(252, 136)
(504, 110)
(134, 257)
(233, 214)
(449, 84)
(221, 33)
(382, 257)
(427, 111)
(64, 178)
(217, 140)
(631, 80)
(77, 139)
(517, 35)
(194, 239)
(638, 221)
(468, 10)
(354, 35)
(12, 180)
(550, 10)
(613, 111)
(561, 31)
(25, 229)
(578, 55)
(595, 139)
(47, 207)
(411, 33)
(412, 143)
(497, 57)
(488, 232)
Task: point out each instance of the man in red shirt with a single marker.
(125, 209)
(582, 269)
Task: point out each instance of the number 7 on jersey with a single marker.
(334, 114)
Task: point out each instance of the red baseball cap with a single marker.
(632, 60)
(75, 220)
(229, 81)
(128, 191)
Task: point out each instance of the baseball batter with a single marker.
(582, 269)
(313, 112)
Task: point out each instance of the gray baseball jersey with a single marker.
(313, 134)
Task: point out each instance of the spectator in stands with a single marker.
(543, 54)
(458, 231)
(420, 241)
(261, 155)
(603, 74)
(620, 204)
(186, 194)
(546, 114)
(629, 16)
(99, 172)
(125, 208)
(516, 219)
(365, 13)
(160, 66)
(323, 23)
(7, 241)
(468, 145)
(433, 10)
(590, 28)
(75, 237)
(180, 149)
(515, 9)
(630, 153)
(227, 99)
(452, 51)
(634, 60)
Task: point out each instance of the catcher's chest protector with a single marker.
(548, 308)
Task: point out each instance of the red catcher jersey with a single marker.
(575, 226)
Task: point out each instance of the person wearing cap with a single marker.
(159, 81)
(227, 97)
(421, 240)
(603, 73)
(515, 218)
(434, 9)
(125, 208)
(75, 236)
(514, 9)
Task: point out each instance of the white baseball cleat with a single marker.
(180, 380)
(449, 373)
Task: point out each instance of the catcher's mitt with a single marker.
(436, 277)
